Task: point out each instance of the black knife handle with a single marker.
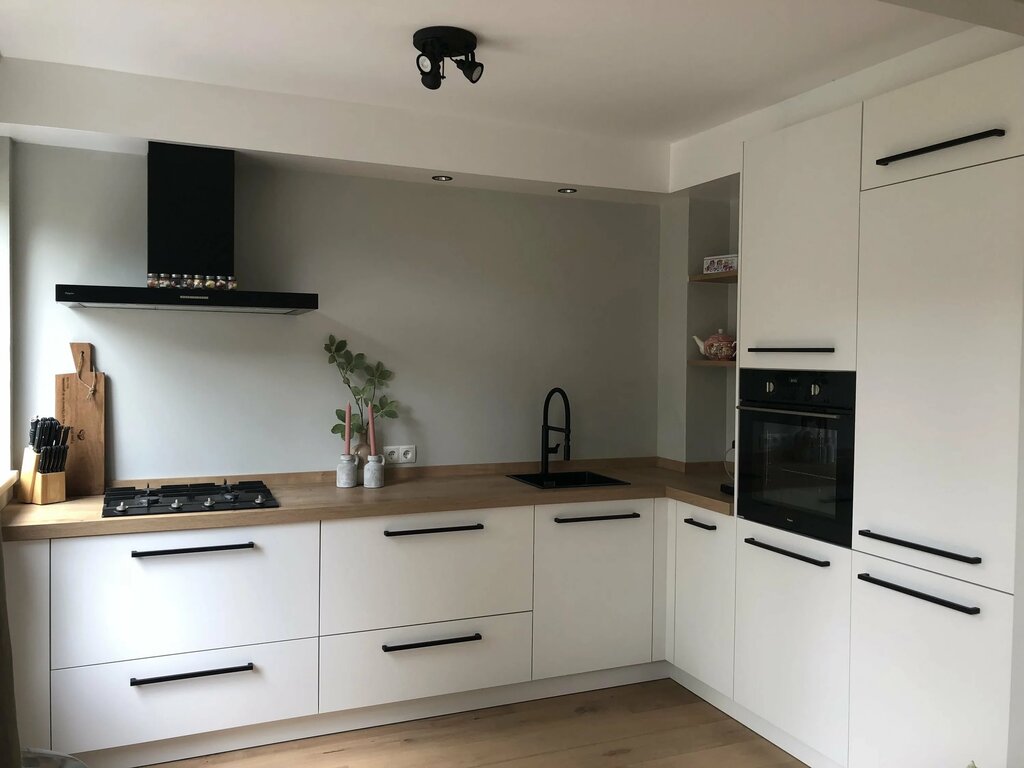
(33, 427)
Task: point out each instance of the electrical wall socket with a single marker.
(400, 454)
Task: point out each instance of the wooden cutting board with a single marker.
(80, 404)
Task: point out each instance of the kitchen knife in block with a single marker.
(80, 403)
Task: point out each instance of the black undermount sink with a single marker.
(552, 480)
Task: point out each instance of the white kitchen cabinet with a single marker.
(110, 705)
(793, 635)
(363, 669)
(798, 261)
(967, 102)
(593, 586)
(939, 371)
(134, 596)
(929, 682)
(413, 569)
(705, 595)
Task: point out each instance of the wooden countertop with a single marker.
(321, 500)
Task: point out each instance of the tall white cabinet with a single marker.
(798, 288)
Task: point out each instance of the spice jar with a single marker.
(164, 280)
(210, 282)
(232, 283)
(221, 283)
(195, 281)
(152, 281)
(176, 281)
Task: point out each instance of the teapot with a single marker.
(719, 346)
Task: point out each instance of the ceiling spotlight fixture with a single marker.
(441, 177)
(568, 190)
(436, 44)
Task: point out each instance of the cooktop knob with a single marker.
(259, 499)
(176, 504)
(229, 496)
(208, 503)
(122, 507)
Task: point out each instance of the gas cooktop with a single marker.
(198, 497)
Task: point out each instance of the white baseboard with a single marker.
(781, 739)
(337, 722)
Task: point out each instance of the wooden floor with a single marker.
(654, 725)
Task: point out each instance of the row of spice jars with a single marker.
(209, 282)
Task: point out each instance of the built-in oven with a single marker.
(795, 451)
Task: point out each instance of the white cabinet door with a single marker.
(133, 596)
(593, 586)
(798, 261)
(131, 702)
(705, 603)
(969, 102)
(364, 669)
(476, 562)
(929, 682)
(938, 381)
(793, 635)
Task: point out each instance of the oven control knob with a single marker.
(121, 507)
(815, 390)
(176, 504)
(769, 387)
(208, 503)
(259, 499)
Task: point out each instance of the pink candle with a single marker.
(348, 429)
(372, 432)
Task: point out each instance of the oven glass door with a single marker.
(796, 471)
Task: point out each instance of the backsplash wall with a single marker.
(479, 301)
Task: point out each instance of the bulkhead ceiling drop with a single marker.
(436, 44)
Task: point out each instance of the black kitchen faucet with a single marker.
(545, 430)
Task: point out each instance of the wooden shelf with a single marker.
(712, 363)
(716, 277)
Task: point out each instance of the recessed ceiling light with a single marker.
(568, 190)
(441, 177)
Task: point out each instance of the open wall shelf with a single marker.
(726, 278)
(711, 363)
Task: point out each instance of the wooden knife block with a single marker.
(36, 488)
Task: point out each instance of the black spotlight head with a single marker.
(471, 68)
(432, 79)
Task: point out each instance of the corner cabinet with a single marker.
(593, 586)
(798, 280)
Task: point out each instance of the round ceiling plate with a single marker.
(450, 42)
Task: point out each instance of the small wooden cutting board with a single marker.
(80, 403)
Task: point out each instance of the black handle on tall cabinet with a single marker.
(813, 350)
(969, 559)
(992, 133)
(779, 551)
(971, 610)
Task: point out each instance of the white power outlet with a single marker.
(400, 454)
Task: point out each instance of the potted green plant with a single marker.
(366, 382)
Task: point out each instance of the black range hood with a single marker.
(191, 231)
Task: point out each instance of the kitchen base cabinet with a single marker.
(793, 635)
(593, 586)
(363, 669)
(705, 595)
(929, 671)
(110, 705)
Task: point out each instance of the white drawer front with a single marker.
(965, 102)
(97, 707)
(108, 605)
(356, 671)
(948, 670)
(594, 587)
(394, 571)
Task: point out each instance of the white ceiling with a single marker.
(646, 69)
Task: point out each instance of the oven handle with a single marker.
(809, 414)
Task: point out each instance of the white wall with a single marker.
(479, 301)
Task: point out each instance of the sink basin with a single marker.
(567, 480)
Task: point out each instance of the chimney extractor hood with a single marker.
(191, 231)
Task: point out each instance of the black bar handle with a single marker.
(136, 681)
(814, 350)
(595, 518)
(969, 559)
(971, 610)
(699, 524)
(994, 132)
(192, 550)
(795, 555)
(431, 643)
(448, 529)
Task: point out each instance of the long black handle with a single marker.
(136, 681)
(449, 529)
(814, 350)
(994, 132)
(795, 555)
(594, 518)
(192, 550)
(431, 643)
(699, 524)
(969, 559)
(970, 610)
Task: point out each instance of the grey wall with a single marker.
(479, 301)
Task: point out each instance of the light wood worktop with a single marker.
(303, 499)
